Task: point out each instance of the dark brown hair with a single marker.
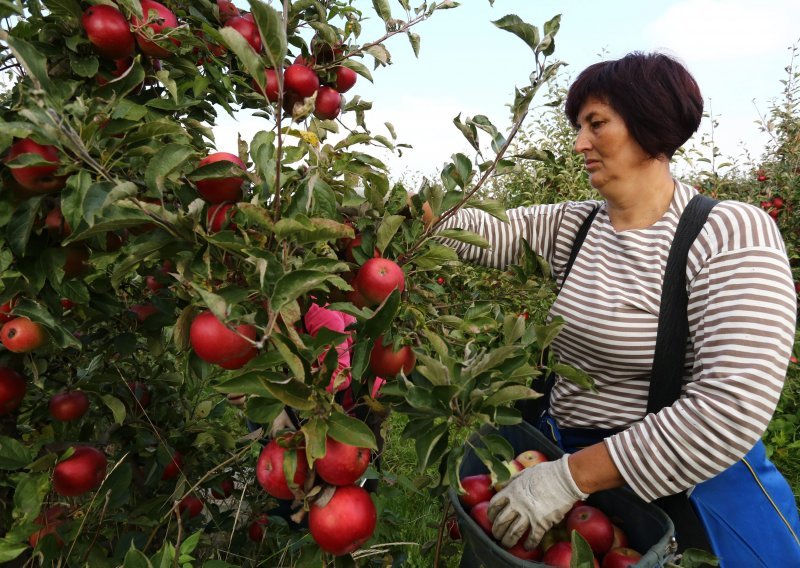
(656, 96)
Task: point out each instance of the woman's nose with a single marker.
(581, 143)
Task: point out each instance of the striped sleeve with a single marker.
(548, 229)
(742, 310)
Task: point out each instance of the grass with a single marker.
(414, 513)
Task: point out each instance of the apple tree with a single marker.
(154, 289)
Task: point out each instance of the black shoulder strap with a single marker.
(673, 322)
(580, 236)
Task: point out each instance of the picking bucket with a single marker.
(650, 531)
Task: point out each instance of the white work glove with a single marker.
(282, 422)
(536, 499)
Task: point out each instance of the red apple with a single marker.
(223, 489)
(453, 529)
(301, 80)
(247, 29)
(56, 225)
(219, 190)
(353, 244)
(109, 31)
(270, 468)
(477, 488)
(173, 468)
(777, 202)
(480, 515)
(620, 538)
(161, 23)
(385, 362)
(37, 179)
(219, 217)
(191, 506)
(378, 278)
(5, 311)
(328, 104)
(593, 525)
(22, 335)
(621, 557)
(143, 311)
(529, 458)
(560, 556)
(226, 10)
(76, 260)
(345, 79)
(342, 464)
(70, 405)
(141, 395)
(345, 522)
(519, 550)
(271, 86)
(256, 529)
(12, 390)
(49, 519)
(214, 342)
(83, 471)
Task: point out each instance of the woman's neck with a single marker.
(639, 202)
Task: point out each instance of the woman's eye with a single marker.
(595, 125)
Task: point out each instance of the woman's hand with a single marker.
(282, 422)
(536, 499)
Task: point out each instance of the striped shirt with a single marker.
(742, 310)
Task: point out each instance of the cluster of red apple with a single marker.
(774, 206)
(341, 516)
(606, 539)
(111, 36)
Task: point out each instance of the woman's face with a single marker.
(610, 152)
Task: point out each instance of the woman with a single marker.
(631, 115)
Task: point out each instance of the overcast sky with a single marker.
(737, 49)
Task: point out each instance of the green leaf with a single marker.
(349, 430)
(19, 228)
(546, 333)
(116, 406)
(295, 284)
(273, 33)
(511, 393)
(315, 432)
(382, 319)
(413, 39)
(359, 68)
(118, 485)
(380, 53)
(428, 445)
(387, 230)
(64, 8)
(582, 556)
(434, 256)
(60, 335)
(168, 159)
(522, 101)
(575, 375)
(491, 206)
(468, 130)
(464, 236)
(696, 558)
(382, 9)
(498, 445)
(252, 383)
(292, 393)
(9, 550)
(245, 53)
(136, 559)
(33, 61)
(514, 24)
(13, 455)
(263, 410)
(433, 370)
(30, 493)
